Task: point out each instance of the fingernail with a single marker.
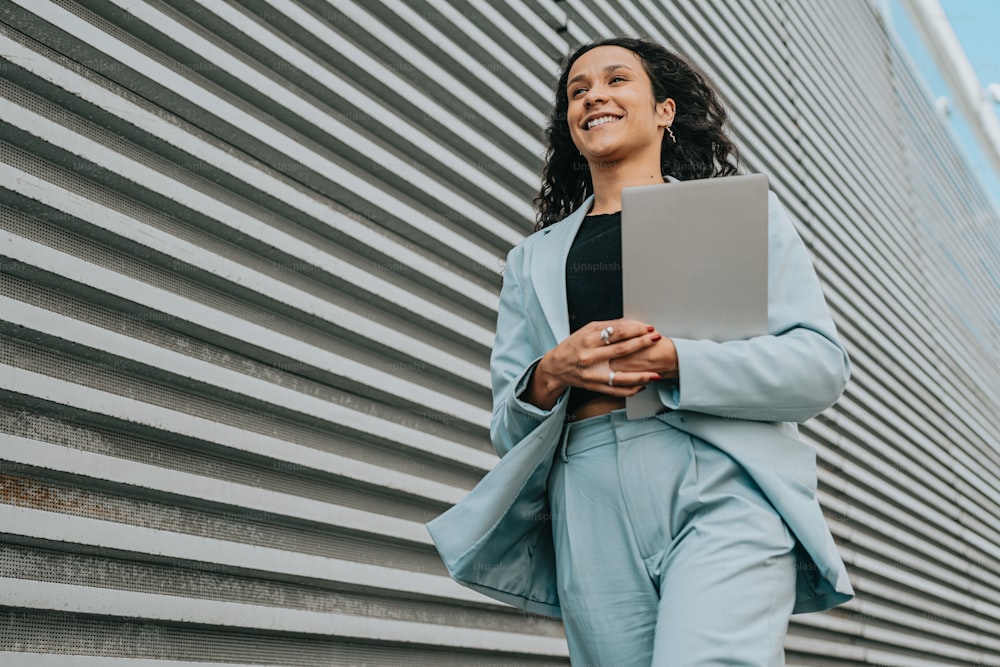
(656, 338)
(650, 327)
(658, 377)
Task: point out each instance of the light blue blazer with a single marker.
(742, 396)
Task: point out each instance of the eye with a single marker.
(616, 78)
(576, 91)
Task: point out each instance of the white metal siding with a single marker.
(249, 255)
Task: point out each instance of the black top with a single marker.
(594, 282)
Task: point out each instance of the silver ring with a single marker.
(606, 334)
(611, 379)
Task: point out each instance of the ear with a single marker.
(665, 111)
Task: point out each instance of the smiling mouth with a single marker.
(603, 120)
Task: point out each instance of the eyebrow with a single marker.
(607, 68)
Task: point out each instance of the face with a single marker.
(612, 114)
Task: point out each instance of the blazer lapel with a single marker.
(548, 269)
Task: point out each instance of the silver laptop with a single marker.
(694, 262)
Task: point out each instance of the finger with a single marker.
(600, 356)
(624, 383)
(630, 346)
(628, 329)
(618, 330)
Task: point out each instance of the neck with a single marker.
(610, 178)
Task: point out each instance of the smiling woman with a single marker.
(690, 538)
(687, 139)
(612, 122)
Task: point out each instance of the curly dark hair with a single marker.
(703, 149)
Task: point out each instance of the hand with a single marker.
(661, 357)
(584, 360)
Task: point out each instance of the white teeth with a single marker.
(601, 121)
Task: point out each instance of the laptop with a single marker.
(694, 262)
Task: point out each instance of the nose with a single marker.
(595, 94)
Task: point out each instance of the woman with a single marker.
(683, 540)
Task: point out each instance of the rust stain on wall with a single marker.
(27, 492)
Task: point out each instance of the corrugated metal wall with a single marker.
(249, 260)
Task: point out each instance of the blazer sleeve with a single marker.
(512, 361)
(796, 371)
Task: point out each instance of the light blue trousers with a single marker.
(668, 555)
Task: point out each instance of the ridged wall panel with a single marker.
(249, 264)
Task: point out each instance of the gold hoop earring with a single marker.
(671, 133)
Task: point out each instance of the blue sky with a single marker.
(975, 22)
